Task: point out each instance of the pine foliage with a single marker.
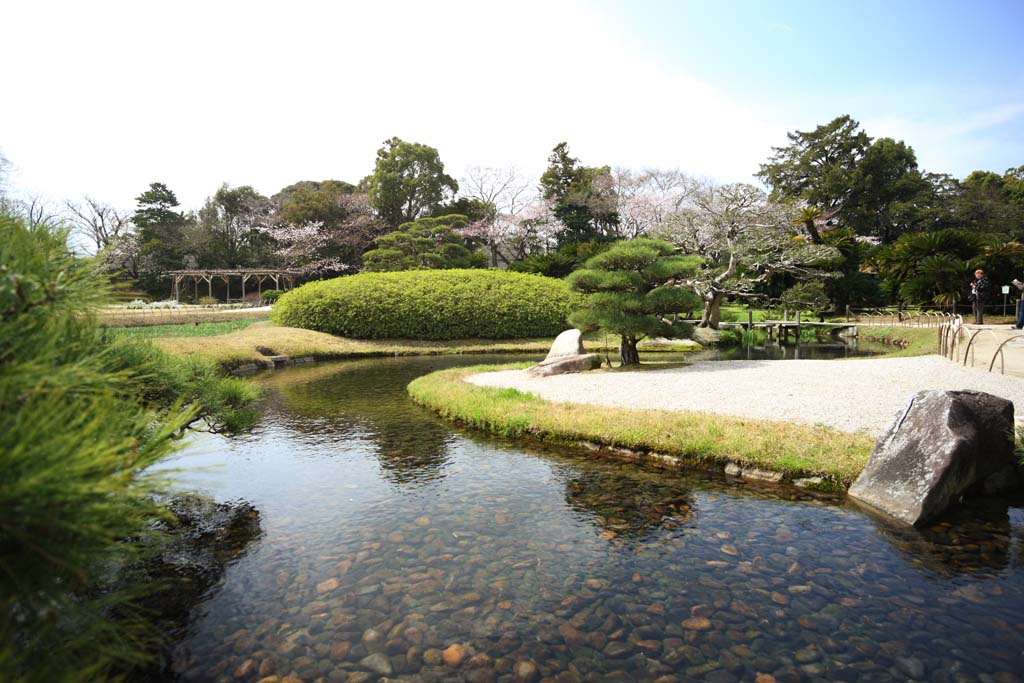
(76, 499)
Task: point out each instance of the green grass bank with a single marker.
(684, 438)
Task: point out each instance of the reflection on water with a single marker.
(389, 537)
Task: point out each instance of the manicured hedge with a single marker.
(431, 304)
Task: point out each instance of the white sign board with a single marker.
(1006, 289)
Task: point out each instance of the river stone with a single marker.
(377, 662)
(943, 446)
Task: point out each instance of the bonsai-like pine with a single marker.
(633, 290)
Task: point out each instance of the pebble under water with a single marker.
(395, 546)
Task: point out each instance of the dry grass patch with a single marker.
(699, 438)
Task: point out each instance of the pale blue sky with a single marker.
(106, 97)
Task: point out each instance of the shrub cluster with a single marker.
(431, 304)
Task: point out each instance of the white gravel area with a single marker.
(848, 395)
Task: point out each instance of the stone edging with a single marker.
(730, 469)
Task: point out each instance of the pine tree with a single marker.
(632, 291)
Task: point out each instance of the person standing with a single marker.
(980, 289)
(1020, 304)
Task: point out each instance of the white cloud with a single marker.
(111, 98)
(953, 143)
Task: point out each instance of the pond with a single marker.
(397, 546)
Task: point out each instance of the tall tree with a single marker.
(161, 231)
(408, 182)
(817, 166)
(583, 197)
(989, 202)
(155, 211)
(888, 192)
(745, 240)
(232, 226)
(633, 288)
(874, 188)
(310, 200)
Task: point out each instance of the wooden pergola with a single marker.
(282, 279)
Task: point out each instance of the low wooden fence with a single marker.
(144, 317)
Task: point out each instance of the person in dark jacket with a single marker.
(980, 289)
(1020, 304)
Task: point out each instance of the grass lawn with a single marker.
(237, 342)
(696, 438)
(243, 346)
(903, 341)
(194, 329)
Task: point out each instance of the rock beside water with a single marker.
(568, 343)
(945, 445)
(566, 355)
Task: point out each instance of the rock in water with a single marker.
(377, 662)
(944, 445)
(566, 355)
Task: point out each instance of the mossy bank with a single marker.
(791, 453)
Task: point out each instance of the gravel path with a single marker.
(848, 395)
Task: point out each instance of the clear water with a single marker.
(389, 536)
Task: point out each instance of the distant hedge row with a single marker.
(431, 304)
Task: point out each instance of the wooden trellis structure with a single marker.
(282, 279)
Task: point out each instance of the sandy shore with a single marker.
(848, 395)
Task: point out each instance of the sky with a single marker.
(103, 98)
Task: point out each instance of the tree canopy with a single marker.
(583, 197)
(408, 181)
(633, 288)
(744, 240)
(872, 187)
(427, 243)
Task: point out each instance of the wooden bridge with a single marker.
(780, 329)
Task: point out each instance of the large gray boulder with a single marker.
(945, 445)
(566, 355)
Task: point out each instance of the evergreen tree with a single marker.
(408, 182)
(632, 292)
(76, 495)
(425, 244)
(161, 232)
(584, 197)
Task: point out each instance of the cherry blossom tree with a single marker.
(511, 237)
(646, 198)
(316, 249)
(516, 217)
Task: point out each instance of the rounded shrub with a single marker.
(431, 304)
(271, 296)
